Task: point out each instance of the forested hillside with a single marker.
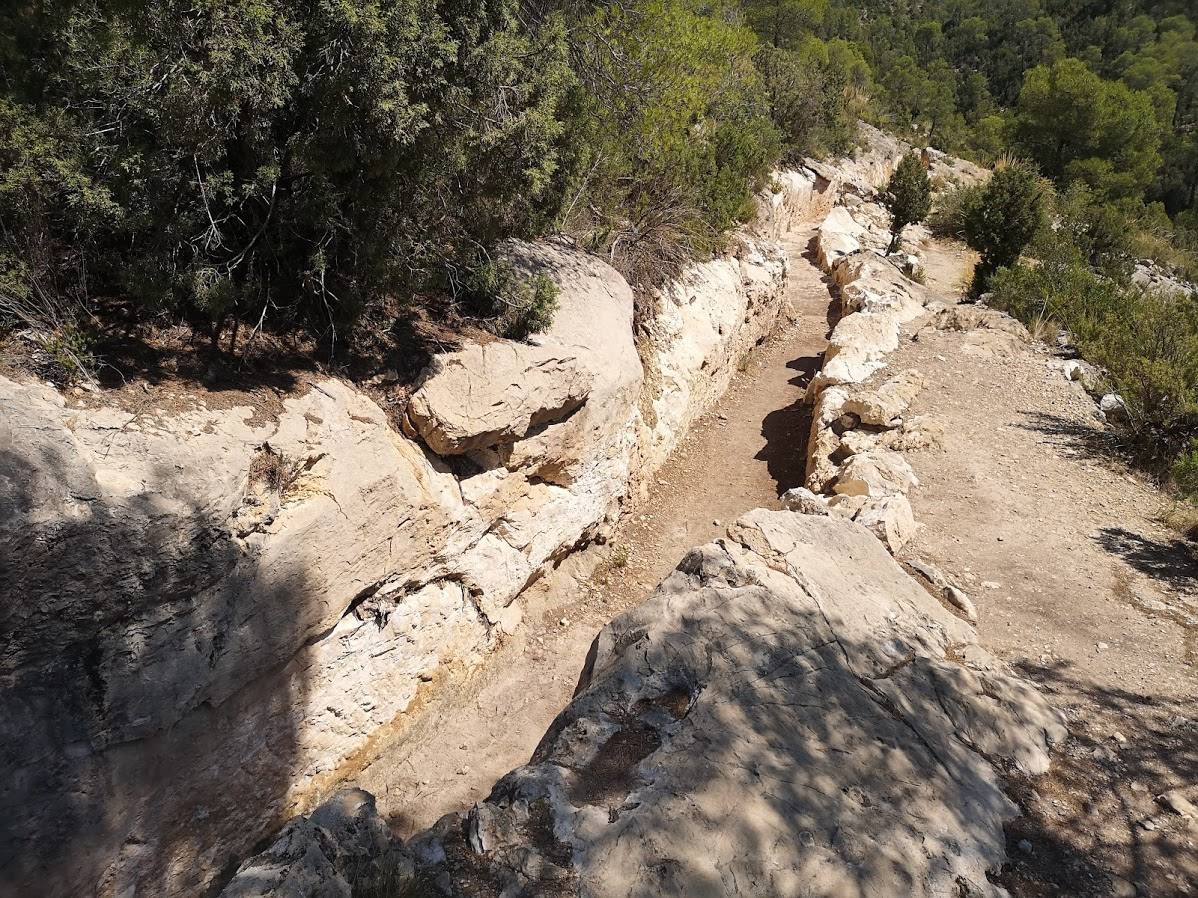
(291, 163)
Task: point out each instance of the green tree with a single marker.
(673, 132)
(1078, 126)
(908, 197)
(1002, 219)
(275, 160)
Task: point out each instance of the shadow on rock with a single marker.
(788, 714)
(1094, 826)
(129, 752)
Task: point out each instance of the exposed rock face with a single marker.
(216, 617)
(789, 714)
(494, 395)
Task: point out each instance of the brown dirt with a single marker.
(741, 455)
(1029, 507)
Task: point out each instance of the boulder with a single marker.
(941, 586)
(782, 712)
(1113, 407)
(855, 442)
(875, 474)
(890, 519)
(856, 349)
(823, 440)
(804, 501)
(342, 846)
(837, 238)
(916, 432)
(847, 506)
(494, 394)
(880, 407)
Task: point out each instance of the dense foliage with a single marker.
(1001, 218)
(908, 197)
(271, 158)
(322, 163)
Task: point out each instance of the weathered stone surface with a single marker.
(703, 325)
(875, 474)
(856, 349)
(837, 238)
(343, 844)
(890, 519)
(917, 432)
(880, 407)
(494, 394)
(941, 585)
(804, 501)
(780, 718)
(225, 613)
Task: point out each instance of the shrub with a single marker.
(1146, 341)
(517, 306)
(1185, 471)
(950, 208)
(908, 197)
(1005, 217)
(1058, 288)
(814, 94)
(1101, 231)
(299, 159)
(672, 133)
(1150, 347)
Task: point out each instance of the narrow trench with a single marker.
(742, 455)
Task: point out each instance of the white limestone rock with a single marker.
(875, 474)
(790, 680)
(890, 519)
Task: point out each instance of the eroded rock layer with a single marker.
(214, 615)
(789, 714)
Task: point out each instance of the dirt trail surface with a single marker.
(742, 455)
(1029, 508)
(1026, 506)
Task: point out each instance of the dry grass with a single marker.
(278, 472)
(1181, 517)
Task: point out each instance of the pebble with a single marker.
(1119, 737)
(565, 621)
(1102, 646)
(1179, 804)
(1025, 846)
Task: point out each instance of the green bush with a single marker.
(298, 159)
(950, 209)
(908, 197)
(1185, 471)
(516, 306)
(1147, 342)
(1007, 214)
(672, 133)
(813, 93)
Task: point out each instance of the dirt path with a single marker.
(1025, 505)
(1029, 508)
(742, 455)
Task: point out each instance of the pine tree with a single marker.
(908, 197)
